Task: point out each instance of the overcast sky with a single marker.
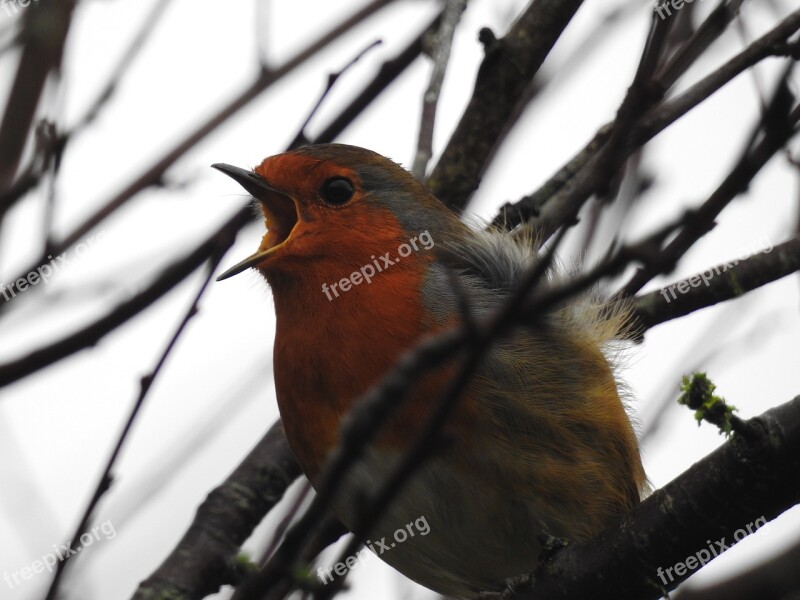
(215, 398)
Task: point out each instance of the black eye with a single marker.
(337, 191)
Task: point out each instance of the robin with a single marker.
(539, 444)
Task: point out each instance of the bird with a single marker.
(363, 262)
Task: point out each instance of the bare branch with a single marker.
(505, 74)
(106, 478)
(758, 468)
(155, 173)
(776, 128)
(204, 559)
(173, 274)
(44, 32)
(720, 283)
(388, 72)
(170, 277)
(441, 56)
(654, 121)
(300, 139)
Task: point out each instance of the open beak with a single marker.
(279, 210)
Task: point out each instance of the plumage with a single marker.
(541, 442)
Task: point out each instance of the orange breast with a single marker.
(328, 352)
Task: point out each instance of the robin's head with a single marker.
(334, 202)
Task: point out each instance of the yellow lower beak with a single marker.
(262, 191)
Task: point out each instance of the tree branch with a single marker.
(170, 277)
(636, 559)
(776, 128)
(441, 56)
(654, 121)
(155, 173)
(44, 33)
(721, 283)
(106, 478)
(182, 268)
(508, 67)
(204, 559)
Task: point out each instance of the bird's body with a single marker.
(540, 441)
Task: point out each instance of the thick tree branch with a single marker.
(204, 559)
(752, 476)
(44, 34)
(503, 78)
(773, 43)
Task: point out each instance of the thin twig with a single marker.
(596, 175)
(509, 65)
(480, 340)
(204, 559)
(776, 128)
(301, 139)
(709, 31)
(89, 335)
(441, 57)
(388, 72)
(721, 283)
(656, 120)
(106, 478)
(376, 406)
(179, 270)
(155, 173)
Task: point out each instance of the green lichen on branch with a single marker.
(698, 394)
(304, 578)
(241, 567)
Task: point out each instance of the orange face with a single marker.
(327, 217)
(313, 209)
